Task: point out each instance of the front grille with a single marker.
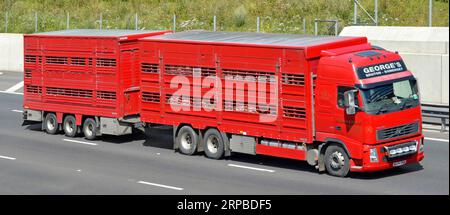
(398, 131)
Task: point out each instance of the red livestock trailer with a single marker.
(77, 77)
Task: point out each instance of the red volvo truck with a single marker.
(338, 102)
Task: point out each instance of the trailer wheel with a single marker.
(90, 129)
(70, 126)
(213, 144)
(187, 140)
(337, 161)
(51, 123)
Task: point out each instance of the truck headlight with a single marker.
(373, 155)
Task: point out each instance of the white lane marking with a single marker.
(82, 142)
(436, 139)
(17, 111)
(252, 168)
(160, 185)
(8, 158)
(14, 93)
(15, 87)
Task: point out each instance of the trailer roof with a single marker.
(312, 45)
(95, 33)
(251, 38)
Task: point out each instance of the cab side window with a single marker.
(340, 95)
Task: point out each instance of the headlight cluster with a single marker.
(373, 155)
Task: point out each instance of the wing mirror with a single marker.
(349, 102)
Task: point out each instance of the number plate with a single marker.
(399, 163)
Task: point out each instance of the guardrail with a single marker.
(433, 113)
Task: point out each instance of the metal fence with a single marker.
(320, 27)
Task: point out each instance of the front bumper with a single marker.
(384, 162)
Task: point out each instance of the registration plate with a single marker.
(399, 163)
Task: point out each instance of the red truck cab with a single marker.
(367, 103)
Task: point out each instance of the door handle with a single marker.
(338, 128)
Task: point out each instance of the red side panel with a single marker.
(163, 61)
(97, 76)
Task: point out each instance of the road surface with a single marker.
(32, 162)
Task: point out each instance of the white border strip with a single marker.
(15, 87)
(13, 93)
(8, 158)
(160, 185)
(252, 168)
(82, 142)
(436, 139)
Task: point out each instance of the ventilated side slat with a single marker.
(294, 112)
(68, 92)
(293, 79)
(28, 73)
(30, 59)
(106, 95)
(33, 89)
(150, 97)
(56, 60)
(78, 61)
(106, 62)
(189, 71)
(248, 75)
(149, 68)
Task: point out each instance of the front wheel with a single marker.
(337, 161)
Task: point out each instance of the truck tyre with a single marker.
(213, 144)
(90, 129)
(187, 140)
(70, 126)
(337, 161)
(51, 123)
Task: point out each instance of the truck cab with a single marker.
(367, 106)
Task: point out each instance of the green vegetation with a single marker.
(232, 15)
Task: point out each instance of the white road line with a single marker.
(436, 139)
(17, 111)
(14, 93)
(82, 142)
(8, 158)
(160, 185)
(252, 168)
(15, 87)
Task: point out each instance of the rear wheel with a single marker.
(70, 126)
(50, 123)
(187, 140)
(213, 144)
(337, 161)
(90, 129)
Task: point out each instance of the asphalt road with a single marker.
(32, 162)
